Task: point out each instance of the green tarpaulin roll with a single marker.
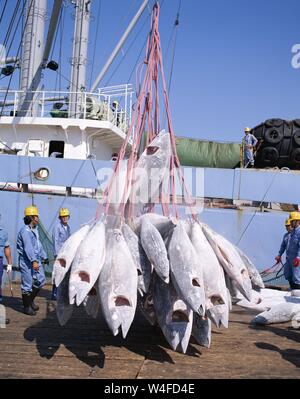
(208, 154)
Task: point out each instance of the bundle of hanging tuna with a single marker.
(178, 272)
(139, 251)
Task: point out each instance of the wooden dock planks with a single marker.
(37, 347)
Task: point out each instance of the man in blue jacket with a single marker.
(293, 252)
(285, 240)
(31, 256)
(4, 250)
(61, 232)
(249, 142)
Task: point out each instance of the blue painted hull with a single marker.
(258, 234)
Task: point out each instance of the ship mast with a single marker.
(79, 58)
(32, 56)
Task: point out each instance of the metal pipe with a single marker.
(52, 29)
(9, 60)
(119, 45)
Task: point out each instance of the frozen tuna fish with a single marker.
(92, 302)
(139, 256)
(118, 284)
(163, 224)
(63, 308)
(279, 313)
(67, 253)
(230, 261)
(87, 264)
(174, 316)
(254, 274)
(150, 171)
(186, 272)
(213, 276)
(202, 330)
(155, 249)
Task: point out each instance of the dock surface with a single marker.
(37, 347)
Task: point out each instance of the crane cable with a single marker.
(95, 43)
(17, 55)
(253, 216)
(3, 11)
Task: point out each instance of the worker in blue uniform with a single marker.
(31, 256)
(61, 232)
(285, 241)
(4, 250)
(293, 253)
(249, 142)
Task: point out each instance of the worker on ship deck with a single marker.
(284, 247)
(292, 265)
(61, 232)
(31, 257)
(249, 142)
(4, 250)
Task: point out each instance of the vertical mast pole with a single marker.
(79, 59)
(32, 56)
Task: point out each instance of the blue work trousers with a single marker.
(29, 277)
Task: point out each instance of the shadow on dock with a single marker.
(290, 355)
(85, 337)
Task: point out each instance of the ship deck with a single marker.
(37, 347)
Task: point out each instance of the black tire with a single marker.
(274, 122)
(296, 122)
(269, 156)
(273, 136)
(295, 157)
(296, 136)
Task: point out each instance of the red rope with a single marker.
(147, 115)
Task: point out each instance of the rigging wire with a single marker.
(95, 43)
(263, 200)
(173, 35)
(17, 55)
(14, 34)
(11, 25)
(127, 51)
(3, 11)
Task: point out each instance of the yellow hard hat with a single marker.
(247, 129)
(288, 222)
(294, 216)
(31, 211)
(64, 212)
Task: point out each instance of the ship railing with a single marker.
(113, 104)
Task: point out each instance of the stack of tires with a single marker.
(278, 144)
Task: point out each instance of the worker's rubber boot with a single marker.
(34, 293)
(27, 304)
